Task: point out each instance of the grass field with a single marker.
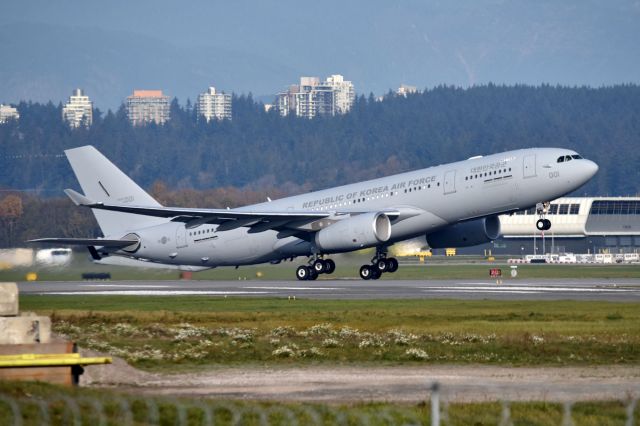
(119, 408)
(432, 269)
(161, 333)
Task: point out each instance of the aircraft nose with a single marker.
(591, 168)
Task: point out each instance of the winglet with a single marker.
(78, 199)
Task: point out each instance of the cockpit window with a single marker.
(567, 158)
(561, 159)
(576, 157)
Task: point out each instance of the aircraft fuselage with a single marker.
(430, 199)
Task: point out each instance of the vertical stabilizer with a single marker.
(102, 181)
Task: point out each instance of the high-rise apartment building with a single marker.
(286, 101)
(214, 106)
(146, 106)
(79, 110)
(344, 93)
(7, 112)
(314, 97)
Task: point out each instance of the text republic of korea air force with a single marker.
(453, 205)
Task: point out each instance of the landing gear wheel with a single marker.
(329, 266)
(393, 264)
(366, 272)
(319, 266)
(540, 224)
(382, 265)
(547, 224)
(375, 273)
(303, 273)
(314, 275)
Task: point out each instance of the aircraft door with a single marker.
(450, 182)
(529, 166)
(181, 236)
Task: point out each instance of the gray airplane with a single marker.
(452, 205)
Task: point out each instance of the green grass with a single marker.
(433, 269)
(602, 413)
(165, 333)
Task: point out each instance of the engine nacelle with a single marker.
(356, 232)
(466, 234)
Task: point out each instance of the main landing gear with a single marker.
(379, 265)
(315, 268)
(543, 224)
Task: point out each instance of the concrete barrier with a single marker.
(23, 329)
(8, 299)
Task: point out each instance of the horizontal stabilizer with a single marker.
(78, 199)
(85, 242)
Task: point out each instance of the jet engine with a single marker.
(466, 234)
(358, 231)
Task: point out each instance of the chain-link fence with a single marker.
(443, 405)
(591, 403)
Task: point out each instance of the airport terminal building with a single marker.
(579, 225)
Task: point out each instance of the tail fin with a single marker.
(102, 181)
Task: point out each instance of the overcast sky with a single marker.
(110, 47)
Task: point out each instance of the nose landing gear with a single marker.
(543, 224)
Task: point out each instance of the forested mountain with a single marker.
(263, 150)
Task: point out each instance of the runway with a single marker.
(619, 290)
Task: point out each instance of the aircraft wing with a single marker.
(227, 219)
(193, 217)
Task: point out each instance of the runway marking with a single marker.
(483, 291)
(532, 288)
(295, 288)
(156, 293)
(124, 286)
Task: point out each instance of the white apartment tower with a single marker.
(314, 97)
(79, 110)
(214, 106)
(7, 112)
(344, 93)
(146, 106)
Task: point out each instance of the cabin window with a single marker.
(575, 209)
(564, 209)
